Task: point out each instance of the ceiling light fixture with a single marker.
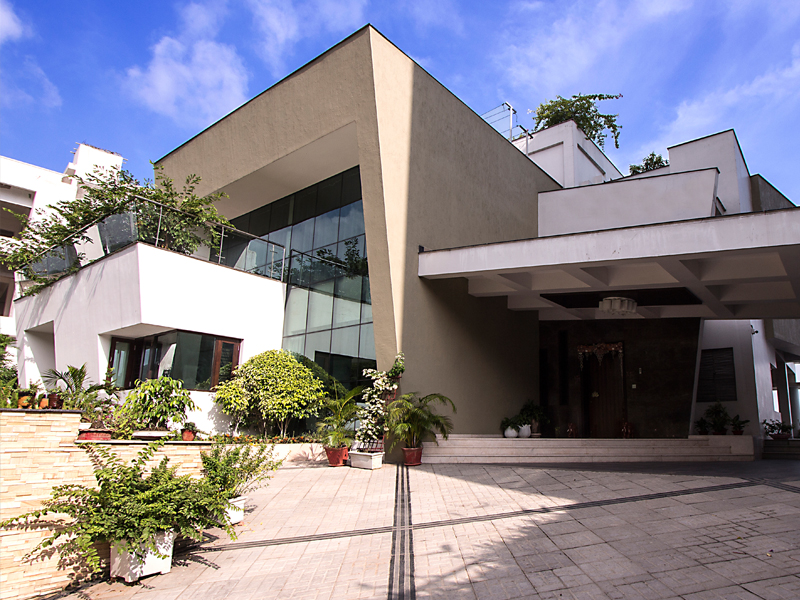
(618, 306)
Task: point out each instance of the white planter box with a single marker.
(131, 568)
(366, 460)
(150, 436)
(236, 513)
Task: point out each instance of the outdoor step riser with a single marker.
(555, 444)
(574, 452)
(580, 459)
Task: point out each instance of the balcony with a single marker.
(161, 226)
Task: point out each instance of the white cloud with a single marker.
(191, 78)
(283, 23)
(776, 92)
(49, 97)
(560, 48)
(30, 86)
(11, 28)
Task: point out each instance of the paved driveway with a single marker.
(696, 532)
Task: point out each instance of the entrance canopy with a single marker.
(743, 266)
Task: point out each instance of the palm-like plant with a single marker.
(336, 428)
(79, 393)
(411, 419)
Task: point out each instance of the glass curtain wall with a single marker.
(328, 306)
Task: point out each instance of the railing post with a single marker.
(158, 229)
(221, 239)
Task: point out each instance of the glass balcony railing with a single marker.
(164, 227)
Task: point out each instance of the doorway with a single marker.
(602, 383)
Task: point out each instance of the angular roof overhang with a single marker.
(743, 266)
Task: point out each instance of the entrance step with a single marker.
(482, 449)
(781, 449)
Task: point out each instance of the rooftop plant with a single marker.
(581, 108)
(651, 162)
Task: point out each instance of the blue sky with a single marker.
(140, 78)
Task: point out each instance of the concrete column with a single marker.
(781, 382)
(794, 398)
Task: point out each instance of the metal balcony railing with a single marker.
(165, 227)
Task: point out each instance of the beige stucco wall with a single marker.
(433, 174)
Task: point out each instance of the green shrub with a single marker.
(237, 469)
(127, 508)
(155, 402)
(271, 387)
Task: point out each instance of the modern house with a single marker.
(505, 271)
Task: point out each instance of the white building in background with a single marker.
(490, 271)
(25, 188)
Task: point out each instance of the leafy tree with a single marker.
(581, 108)
(271, 387)
(651, 162)
(53, 234)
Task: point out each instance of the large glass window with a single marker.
(201, 361)
(328, 314)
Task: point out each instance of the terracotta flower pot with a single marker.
(55, 401)
(98, 435)
(187, 435)
(336, 456)
(780, 436)
(412, 456)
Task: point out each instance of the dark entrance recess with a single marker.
(646, 297)
(653, 392)
(603, 390)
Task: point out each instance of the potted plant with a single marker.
(737, 425)
(154, 403)
(776, 429)
(189, 431)
(75, 392)
(718, 418)
(138, 512)
(235, 469)
(510, 427)
(702, 425)
(411, 420)
(534, 415)
(335, 430)
(372, 415)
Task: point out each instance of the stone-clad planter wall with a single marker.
(37, 452)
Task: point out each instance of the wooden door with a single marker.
(604, 396)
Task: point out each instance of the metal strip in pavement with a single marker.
(403, 522)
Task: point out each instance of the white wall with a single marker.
(627, 203)
(565, 153)
(722, 151)
(144, 290)
(752, 356)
